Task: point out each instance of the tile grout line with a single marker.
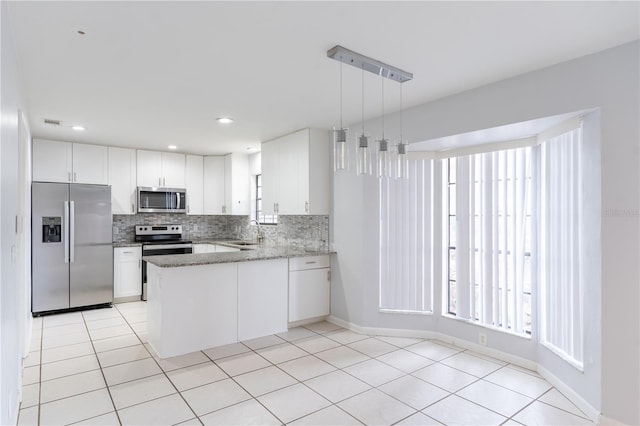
(95, 353)
(292, 343)
(163, 372)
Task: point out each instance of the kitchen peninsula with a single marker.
(199, 301)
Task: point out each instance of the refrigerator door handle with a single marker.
(66, 232)
(72, 236)
(178, 195)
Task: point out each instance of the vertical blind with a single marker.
(492, 237)
(406, 240)
(561, 288)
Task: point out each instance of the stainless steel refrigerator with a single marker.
(72, 254)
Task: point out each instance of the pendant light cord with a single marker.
(341, 126)
(382, 80)
(401, 113)
(363, 100)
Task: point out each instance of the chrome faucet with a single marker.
(260, 235)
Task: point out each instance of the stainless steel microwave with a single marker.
(162, 200)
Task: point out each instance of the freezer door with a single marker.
(49, 270)
(91, 252)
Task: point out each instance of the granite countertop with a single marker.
(127, 244)
(138, 244)
(260, 253)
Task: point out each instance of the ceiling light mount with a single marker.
(224, 120)
(366, 63)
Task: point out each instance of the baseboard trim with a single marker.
(583, 405)
(572, 395)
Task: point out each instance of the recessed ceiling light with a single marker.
(224, 120)
(77, 128)
(172, 147)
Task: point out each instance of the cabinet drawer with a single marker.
(127, 252)
(310, 262)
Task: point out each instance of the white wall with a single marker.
(12, 303)
(607, 80)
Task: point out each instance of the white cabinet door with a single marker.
(122, 178)
(173, 173)
(309, 294)
(288, 178)
(127, 272)
(204, 248)
(262, 298)
(52, 161)
(270, 176)
(194, 184)
(213, 185)
(236, 184)
(315, 173)
(295, 173)
(149, 168)
(90, 164)
(224, 249)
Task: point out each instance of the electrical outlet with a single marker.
(482, 339)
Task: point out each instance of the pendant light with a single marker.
(340, 151)
(402, 162)
(363, 155)
(384, 164)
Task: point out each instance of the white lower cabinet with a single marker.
(223, 249)
(127, 272)
(212, 248)
(309, 287)
(204, 248)
(262, 298)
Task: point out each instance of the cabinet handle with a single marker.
(310, 263)
(164, 182)
(329, 275)
(159, 181)
(139, 263)
(306, 207)
(133, 210)
(68, 176)
(75, 179)
(188, 209)
(127, 252)
(224, 209)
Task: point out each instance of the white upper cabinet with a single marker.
(67, 162)
(295, 173)
(270, 175)
(122, 178)
(90, 164)
(173, 170)
(52, 161)
(236, 184)
(194, 183)
(226, 184)
(165, 169)
(213, 184)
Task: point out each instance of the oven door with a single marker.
(159, 250)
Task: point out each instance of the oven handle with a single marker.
(165, 246)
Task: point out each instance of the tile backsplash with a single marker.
(299, 231)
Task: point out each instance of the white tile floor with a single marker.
(94, 367)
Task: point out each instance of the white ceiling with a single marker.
(149, 74)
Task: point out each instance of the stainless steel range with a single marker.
(160, 240)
